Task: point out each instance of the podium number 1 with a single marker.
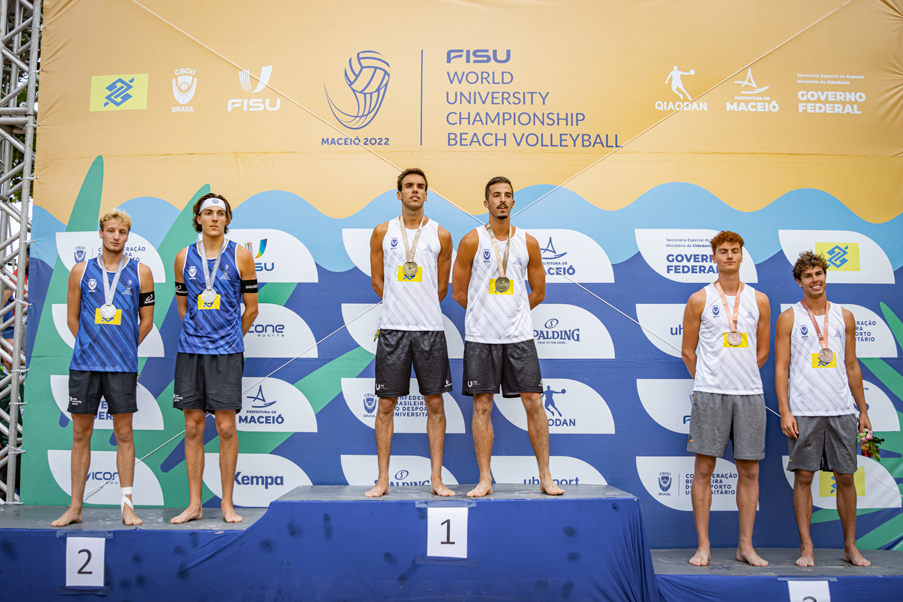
(85, 561)
(446, 532)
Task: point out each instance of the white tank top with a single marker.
(411, 303)
(721, 368)
(493, 317)
(817, 389)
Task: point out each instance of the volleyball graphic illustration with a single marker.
(367, 77)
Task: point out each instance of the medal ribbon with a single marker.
(822, 338)
(733, 321)
(208, 277)
(110, 290)
(404, 236)
(503, 263)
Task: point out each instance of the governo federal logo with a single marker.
(367, 78)
(685, 255)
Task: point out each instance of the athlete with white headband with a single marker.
(819, 387)
(110, 307)
(410, 261)
(213, 278)
(725, 343)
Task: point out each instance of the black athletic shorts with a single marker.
(117, 388)
(208, 382)
(514, 366)
(396, 350)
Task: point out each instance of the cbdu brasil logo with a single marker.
(367, 76)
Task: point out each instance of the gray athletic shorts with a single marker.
(426, 350)
(514, 366)
(208, 382)
(825, 443)
(717, 418)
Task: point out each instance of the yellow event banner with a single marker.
(324, 98)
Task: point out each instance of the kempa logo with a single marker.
(259, 478)
(367, 76)
(254, 104)
(686, 102)
(184, 85)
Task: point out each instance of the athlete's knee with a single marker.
(82, 429)
(225, 428)
(748, 469)
(803, 478)
(124, 435)
(482, 406)
(387, 405)
(194, 426)
(704, 467)
(434, 404)
(844, 481)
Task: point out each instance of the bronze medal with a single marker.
(734, 338)
(825, 356)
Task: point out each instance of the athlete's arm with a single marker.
(444, 265)
(467, 250)
(377, 270)
(247, 271)
(692, 319)
(536, 273)
(763, 330)
(181, 300)
(145, 311)
(782, 372)
(854, 373)
(74, 297)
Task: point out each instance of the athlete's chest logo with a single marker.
(192, 272)
(486, 255)
(92, 285)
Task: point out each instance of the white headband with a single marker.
(212, 202)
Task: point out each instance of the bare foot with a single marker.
(379, 490)
(807, 557)
(189, 514)
(439, 488)
(855, 558)
(480, 490)
(229, 514)
(701, 557)
(550, 488)
(750, 557)
(129, 517)
(69, 517)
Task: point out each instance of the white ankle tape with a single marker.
(126, 501)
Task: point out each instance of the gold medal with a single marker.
(502, 284)
(409, 268)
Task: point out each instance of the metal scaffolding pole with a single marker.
(20, 34)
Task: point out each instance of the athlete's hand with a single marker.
(788, 425)
(864, 423)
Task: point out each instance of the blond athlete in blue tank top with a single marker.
(724, 350)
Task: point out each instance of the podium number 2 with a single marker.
(85, 561)
(446, 535)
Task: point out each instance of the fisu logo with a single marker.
(367, 76)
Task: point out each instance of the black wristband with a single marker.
(249, 286)
(181, 289)
(145, 299)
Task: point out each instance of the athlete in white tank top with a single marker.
(411, 302)
(493, 316)
(818, 380)
(724, 345)
(494, 264)
(410, 261)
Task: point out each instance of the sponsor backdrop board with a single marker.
(299, 129)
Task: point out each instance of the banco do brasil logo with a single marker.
(367, 76)
(841, 256)
(118, 92)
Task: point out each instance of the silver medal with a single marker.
(825, 356)
(502, 284)
(208, 296)
(734, 338)
(107, 311)
(409, 268)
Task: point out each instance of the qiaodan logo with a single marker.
(571, 408)
(686, 103)
(367, 77)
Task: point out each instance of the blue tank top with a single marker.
(215, 328)
(107, 345)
